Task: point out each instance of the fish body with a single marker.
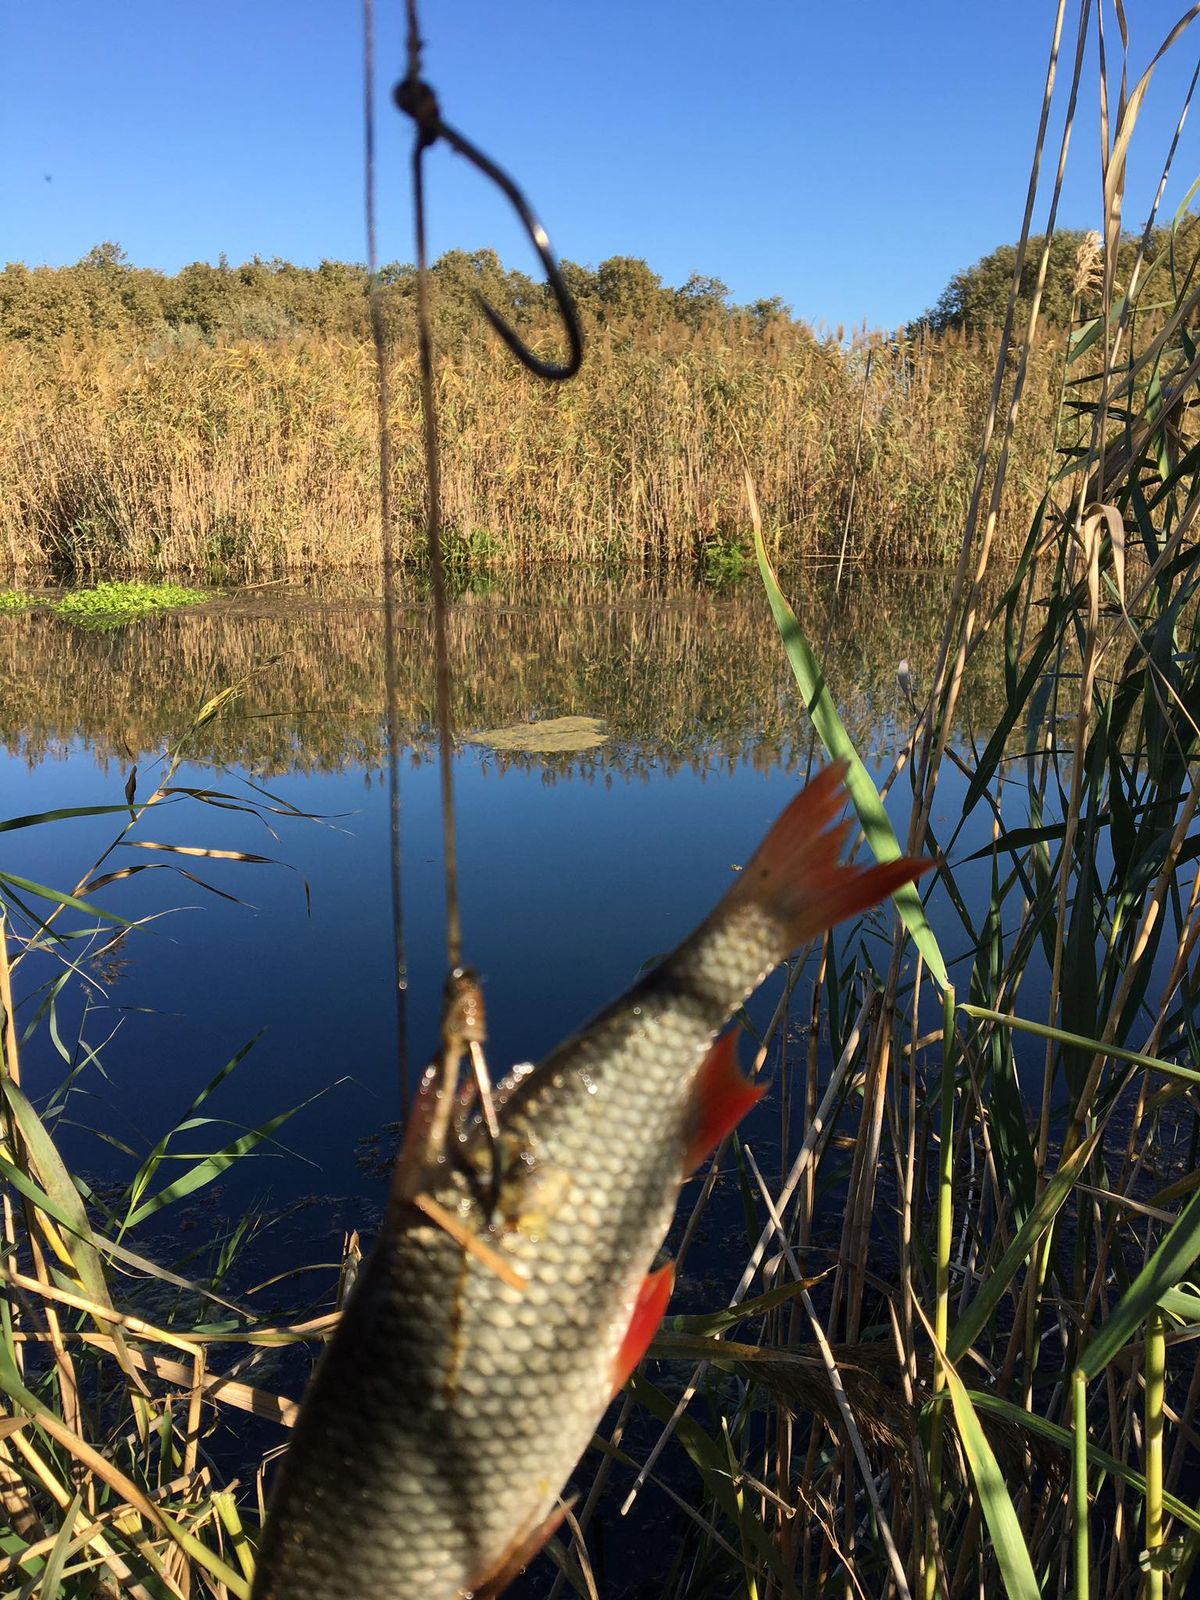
(455, 1399)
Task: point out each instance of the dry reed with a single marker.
(246, 459)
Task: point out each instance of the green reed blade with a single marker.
(1162, 1272)
(45, 892)
(68, 1208)
(51, 1579)
(998, 1510)
(975, 1318)
(709, 1461)
(1181, 1304)
(1045, 1031)
(210, 1167)
(141, 1179)
(716, 1321)
(1063, 1439)
(875, 821)
(35, 819)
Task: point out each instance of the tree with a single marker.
(701, 299)
(460, 275)
(627, 288)
(977, 298)
(107, 255)
(764, 312)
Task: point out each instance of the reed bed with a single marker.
(245, 460)
(961, 1358)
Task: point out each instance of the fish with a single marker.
(512, 1288)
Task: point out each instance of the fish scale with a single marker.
(452, 1405)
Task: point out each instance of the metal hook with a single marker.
(418, 100)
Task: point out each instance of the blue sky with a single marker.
(847, 157)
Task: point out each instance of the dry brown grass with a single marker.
(242, 460)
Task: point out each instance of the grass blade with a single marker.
(998, 1510)
(1165, 1268)
(876, 823)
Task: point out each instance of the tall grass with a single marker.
(105, 1482)
(247, 460)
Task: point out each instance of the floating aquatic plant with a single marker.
(110, 604)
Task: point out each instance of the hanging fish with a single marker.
(509, 1294)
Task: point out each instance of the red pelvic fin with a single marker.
(795, 874)
(518, 1555)
(648, 1313)
(722, 1098)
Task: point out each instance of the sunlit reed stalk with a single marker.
(945, 1230)
(1156, 1369)
(1080, 1502)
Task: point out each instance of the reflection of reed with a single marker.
(679, 676)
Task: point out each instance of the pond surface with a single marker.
(623, 747)
(578, 864)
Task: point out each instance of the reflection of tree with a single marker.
(679, 677)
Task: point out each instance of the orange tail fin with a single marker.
(796, 876)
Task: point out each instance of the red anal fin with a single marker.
(647, 1316)
(518, 1555)
(722, 1098)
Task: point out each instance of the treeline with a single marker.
(976, 299)
(105, 296)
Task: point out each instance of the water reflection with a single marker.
(678, 677)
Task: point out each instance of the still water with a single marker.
(577, 866)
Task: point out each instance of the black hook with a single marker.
(420, 103)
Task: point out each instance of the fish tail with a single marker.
(796, 875)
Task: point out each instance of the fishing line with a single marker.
(420, 98)
(387, 542)
(417, 99)
(414, 96)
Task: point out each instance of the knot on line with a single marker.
(418, 100)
